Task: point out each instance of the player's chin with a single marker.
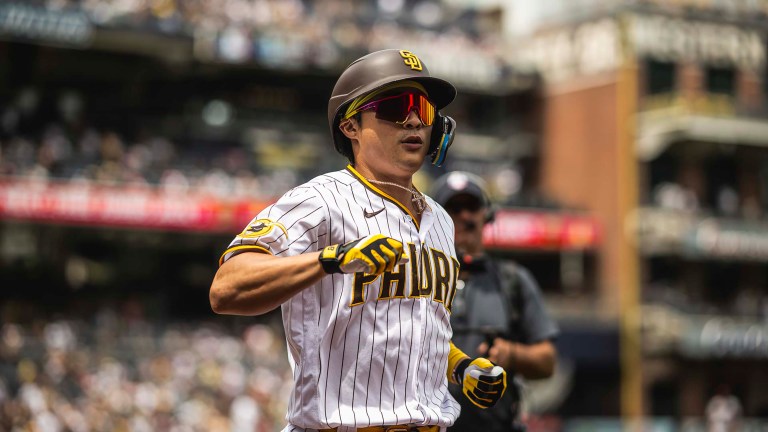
(412, 159)
(417, 151)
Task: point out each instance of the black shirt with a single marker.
(497, 300)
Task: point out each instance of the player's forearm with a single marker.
(255, 283)
(535, 361)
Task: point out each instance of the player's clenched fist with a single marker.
(373, 254)
(483, 382)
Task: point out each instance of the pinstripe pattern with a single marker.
(381, 362)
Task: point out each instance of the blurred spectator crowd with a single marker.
(300, 32)
(66, 147)
(115, 374)
(104, 157)
(284, 34)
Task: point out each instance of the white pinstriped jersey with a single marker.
(365, 350)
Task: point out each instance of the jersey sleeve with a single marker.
(537, 324)
(293, 225)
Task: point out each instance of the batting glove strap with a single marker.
(372, 254)
(330, 258)
(483, 383)
(455, 358)
(458, 372)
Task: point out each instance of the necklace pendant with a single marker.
(418, 202)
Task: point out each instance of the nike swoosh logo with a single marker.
(368, 214)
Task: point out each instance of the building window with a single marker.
(661, 77)
(721, 80)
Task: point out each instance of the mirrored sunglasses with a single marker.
(396, 108)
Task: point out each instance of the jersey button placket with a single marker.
(419, 318)
(422, 337)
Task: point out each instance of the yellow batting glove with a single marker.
(373, 254)
(483, 382)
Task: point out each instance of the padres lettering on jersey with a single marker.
(433, 269)
(365, 350)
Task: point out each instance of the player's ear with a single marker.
(350, 128)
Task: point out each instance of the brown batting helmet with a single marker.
(374, 71)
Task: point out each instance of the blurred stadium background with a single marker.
(626, 141)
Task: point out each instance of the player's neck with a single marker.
(399, 188)
(405, 181)
(386, 183)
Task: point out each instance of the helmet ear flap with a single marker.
(443, 131)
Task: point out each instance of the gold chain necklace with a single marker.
(418, 199)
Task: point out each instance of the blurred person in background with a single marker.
(363, 265)
(723, 411)
(498, 311)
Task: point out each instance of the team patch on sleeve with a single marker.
(261, 227)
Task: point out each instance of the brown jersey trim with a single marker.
(381, 193)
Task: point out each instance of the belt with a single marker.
(396, 428)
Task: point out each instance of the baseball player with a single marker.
(363, 265)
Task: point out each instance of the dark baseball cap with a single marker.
(459, 183)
